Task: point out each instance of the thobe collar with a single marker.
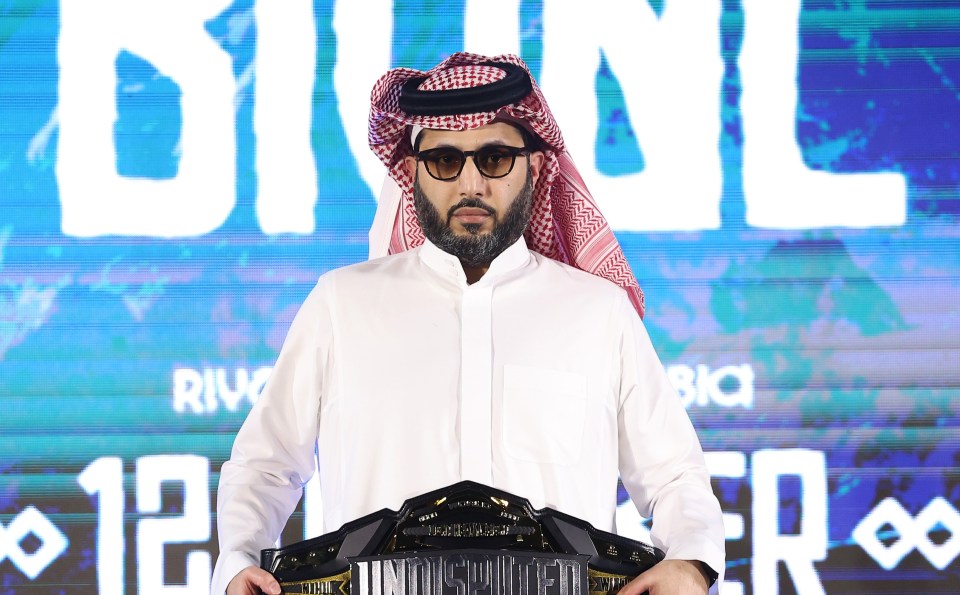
(515, 256)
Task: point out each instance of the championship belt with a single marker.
(465, 539)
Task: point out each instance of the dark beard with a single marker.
(475, 250)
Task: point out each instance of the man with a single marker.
(467, 355)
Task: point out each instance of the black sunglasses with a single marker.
(492, 161)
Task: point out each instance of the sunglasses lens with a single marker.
(495, 162)
(444, 164)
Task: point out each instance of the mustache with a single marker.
(475, 203)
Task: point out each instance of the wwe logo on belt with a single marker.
(913, 532)
(31, 520)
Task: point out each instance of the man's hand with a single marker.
(670, 577)
(253, 581)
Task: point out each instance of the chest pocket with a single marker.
(544, 414)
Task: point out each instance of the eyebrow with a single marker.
(492, 143)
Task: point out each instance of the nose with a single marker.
(471, 182)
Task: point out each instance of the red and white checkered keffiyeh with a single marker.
(566, 224)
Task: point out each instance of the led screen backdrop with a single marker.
(784, 177)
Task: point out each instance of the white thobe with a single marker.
(539, 379)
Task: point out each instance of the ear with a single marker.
(410, 163)
(537, 159)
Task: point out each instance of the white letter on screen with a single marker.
(364, 44)
(491, 27)
(187, 388)
(670, 71)
(103, 478)
(193, 526)
(286, 62)
(95, 199)
(682, 377)
(798, 551)
(779, 190)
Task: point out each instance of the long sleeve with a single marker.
(273, 455)
(661, 462)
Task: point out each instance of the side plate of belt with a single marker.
(465, 539)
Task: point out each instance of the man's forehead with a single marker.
(496, 131)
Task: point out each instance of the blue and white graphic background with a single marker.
(784, 177)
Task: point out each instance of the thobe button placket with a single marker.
(476, 383)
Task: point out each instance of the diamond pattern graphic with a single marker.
(52, 542)
(913, 533)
